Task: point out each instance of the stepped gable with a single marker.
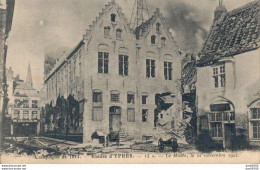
(234, 33)
(144, 28)
(104, 10)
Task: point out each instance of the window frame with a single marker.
(158, 27)
(150, 68)
(34, 103)
(254, 123)
(167, 70)
(144, 115)
(113, 18)
(115, 96)
(123, 65)
(95, 97)
(103, 62)
(132, 100)
(153, 39)
(219, 76)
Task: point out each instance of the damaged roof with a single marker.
(189, 74)
(234, 33)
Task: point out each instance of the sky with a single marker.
(50, 26)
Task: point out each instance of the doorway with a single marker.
(229, 135)
(114, 119)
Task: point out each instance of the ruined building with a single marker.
(228, 75)
(114, 78)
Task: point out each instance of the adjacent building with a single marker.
(112, 80)
(6, 18)
(228, 77)
(23, 118)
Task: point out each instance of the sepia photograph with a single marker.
(129, 82)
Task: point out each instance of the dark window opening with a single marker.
(123, 65)
(158, 25)
(150, 68)
(144, 99)
(167, 70)
(97, 97)
(153, 39)
(130, 98)
(144, 115)
(113, 17)
(103, 62)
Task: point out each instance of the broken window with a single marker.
(153, 38)
(115, 96)
(168, 70)
(163, 40)
(130, 115)
(144, 115)
(219, 76)
(144, 98)
(107, 31)
(216, 129)
(97, 114)
(130, 98)
(150, 68)
(123, 65)
(118, 33)
(113, 17)
(103, 62)
(97, 96)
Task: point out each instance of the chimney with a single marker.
(220, 10)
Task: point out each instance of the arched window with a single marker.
(107, 31)
(119, 33)
(153, 38)
(113, 17)
(163, 40)
(158, 25)
(103, 58)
